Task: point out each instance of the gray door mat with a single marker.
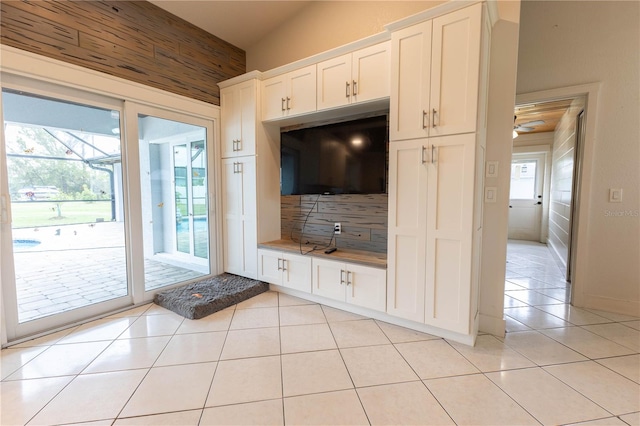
(202, 298)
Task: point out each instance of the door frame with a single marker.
(40, 69)
(579, 240)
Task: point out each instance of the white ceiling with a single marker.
(241, 23)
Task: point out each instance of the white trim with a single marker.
(581, 252)
(448, 7)
(338, 51)
(492, 325)
(466, 339)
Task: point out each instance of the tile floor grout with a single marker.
(543, 351)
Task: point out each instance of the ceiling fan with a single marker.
(528, 126)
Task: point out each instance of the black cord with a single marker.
(304, 224)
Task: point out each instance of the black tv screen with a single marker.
(341, 158)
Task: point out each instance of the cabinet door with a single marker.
(410, 79)
(334, 82)
(238, 117)
(301, 93)
(269, 266)
(239, 204)
(455, 68)
(329, 279)
(370, 73)
(367, 287)
(408, 162)
(230, 120)
(247, 98)
(450, 232)
(274, 96)
(297, 272)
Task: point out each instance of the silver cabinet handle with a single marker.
(433, 120)
(279, 268)
(282, 104)
(354, 87)
(349, 282)
(239, 145)
(347, 93)
(425, 119)
(288, 101)
(424, 151)
(433, 154)
(283, 264)
(341, 276)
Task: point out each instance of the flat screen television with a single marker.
(348, 157)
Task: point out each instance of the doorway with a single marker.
(572, 153)
(526, 196)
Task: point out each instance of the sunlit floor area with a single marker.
(276, 359)
(78, 265)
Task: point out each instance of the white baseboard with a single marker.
(625, 307)
(492, 325)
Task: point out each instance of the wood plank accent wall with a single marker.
(363, 219)
(134, 40)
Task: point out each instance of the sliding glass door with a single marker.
(174, 179)
(94, 217)
(63, 162)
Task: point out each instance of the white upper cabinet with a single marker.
(434, 76)
(238, 117)
(289, 94)
(410, 79)
(355, 77)
(455, 70)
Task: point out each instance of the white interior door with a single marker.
(525, 197)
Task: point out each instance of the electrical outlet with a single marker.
(337, 228)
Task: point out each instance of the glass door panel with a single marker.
(198, 184)
(64, 169)
(173, 168)
(181, 188)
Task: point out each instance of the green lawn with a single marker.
(32, 213)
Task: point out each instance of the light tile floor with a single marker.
(276, 359)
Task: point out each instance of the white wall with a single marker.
(564, 148)
(504, 51)
(566, 43)
(324, 25)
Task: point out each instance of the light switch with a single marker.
(615, 195)
(492, 169)
(490, 194)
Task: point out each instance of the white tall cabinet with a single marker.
(437, 81)
(434, 131)
(249, 170)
